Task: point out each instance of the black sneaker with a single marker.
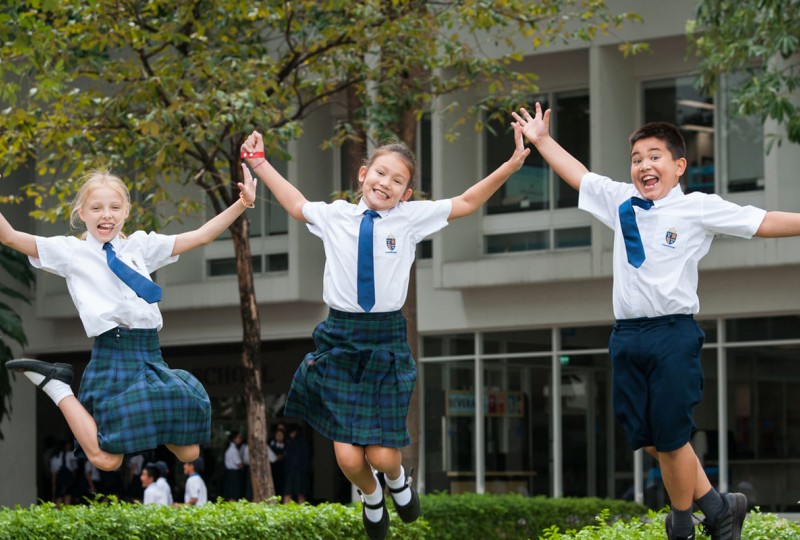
(668, 526)
(728, 525)
(376, 530)
(411, 510)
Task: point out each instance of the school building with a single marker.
(514, 302)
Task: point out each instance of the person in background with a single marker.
(233, 479)
(152, 493)
(278, 448)
(195, 492)
(297, 461)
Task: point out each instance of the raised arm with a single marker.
(477, 195)
(779, 224)
(212, 228)
(288, 196)
(537, 130)
(21, 241)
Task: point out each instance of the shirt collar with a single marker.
(673, 194)
(97, 244)
(361, 207)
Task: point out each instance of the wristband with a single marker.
(251, 154)
(244, 202)
(260, 163)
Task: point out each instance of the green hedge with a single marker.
(464, 516)
(513, 517)
(223, 520)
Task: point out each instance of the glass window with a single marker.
(744, 145)
(679, 102)
(534, 186)
(763, 328)
(455, 345)
(227, 266)
(517, 341)
(585, 337)
(523, 241)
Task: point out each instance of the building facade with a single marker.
(514, 302)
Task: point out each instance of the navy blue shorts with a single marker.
(657, 379)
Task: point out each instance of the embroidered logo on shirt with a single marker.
(671, 236)
(391, 242)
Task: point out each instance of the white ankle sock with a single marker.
(57, 390)
(374, 498)
(401, 498)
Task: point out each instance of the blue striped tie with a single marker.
(143, 287)
(366, 264)
(630, 231)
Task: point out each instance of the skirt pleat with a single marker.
(356, 387)
(137, 401)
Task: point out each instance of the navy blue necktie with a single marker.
(366, 264)
(143, 287)
(630, 231)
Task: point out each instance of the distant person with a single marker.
(64, 471)
(233, 478)
(152, 493)
(297, 462)
(195, 492)
(278, 447)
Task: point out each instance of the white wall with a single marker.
(18, 448)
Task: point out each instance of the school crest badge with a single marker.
(671, 236)
(391, 242)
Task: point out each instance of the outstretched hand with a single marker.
(534, 128)
(520, 152)
(247, 188)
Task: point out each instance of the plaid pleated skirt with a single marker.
(137, 401)
(356, 387)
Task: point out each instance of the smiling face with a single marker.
(385, 183)
(654, 171)
(104, 211)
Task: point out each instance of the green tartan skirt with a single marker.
(356, 387)
(137, 401)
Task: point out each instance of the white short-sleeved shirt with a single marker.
(154, 495)
(232, 458)
(196, 489)
(103, 300)
(676, 233)
(395, 237)
(163, 485)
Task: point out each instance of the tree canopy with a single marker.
(757, 38)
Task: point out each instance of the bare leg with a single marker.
(186, 454)
(353, 463)
(701, 485)
(683, 475)
(84, 428)
(384, 459)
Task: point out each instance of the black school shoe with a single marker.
(57, 371)
(410, 512)
(728, 525)
(668, 526)
(376, 530)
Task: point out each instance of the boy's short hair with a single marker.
(669, 133)
(197, 464)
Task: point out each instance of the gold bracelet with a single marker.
(244, 201)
